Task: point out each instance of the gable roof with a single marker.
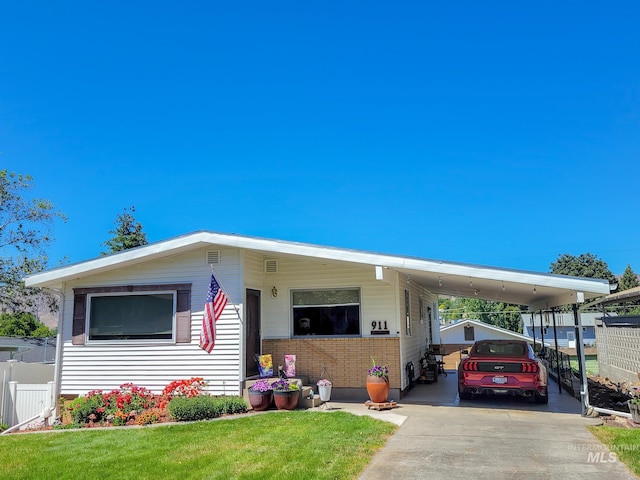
(484, 326)
(537, 290)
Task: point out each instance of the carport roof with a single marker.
(535, 290)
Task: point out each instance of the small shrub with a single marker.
(233, 404)
(3, 427)
(202, 407)
(82, 407)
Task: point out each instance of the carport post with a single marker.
(533, 330)
(541, 331)
(555, 336)
(584, 386)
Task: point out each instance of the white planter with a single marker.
(325, 392)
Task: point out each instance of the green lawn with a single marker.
(624, 442)
(591, 364)
(276, 445)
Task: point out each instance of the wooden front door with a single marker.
(252, 332)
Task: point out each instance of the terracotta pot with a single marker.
(260, 400)
(378, 388)
(287, 400)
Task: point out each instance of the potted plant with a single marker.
(634, 408)
(286, 394)
(378, 382)
(324, 389)
(260, 395)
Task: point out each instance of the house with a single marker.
(541, 326)
(135, 316)
(28, 349)
(462, 334)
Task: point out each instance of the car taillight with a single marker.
(528, 367)
(470, 366)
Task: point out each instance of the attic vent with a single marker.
(270, 266)
(213, 257)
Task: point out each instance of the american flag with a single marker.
(216, 301)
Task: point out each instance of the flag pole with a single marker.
(226, 292)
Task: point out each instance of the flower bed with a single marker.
(133, 405)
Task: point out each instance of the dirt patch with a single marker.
(605, 394)
(612, 396)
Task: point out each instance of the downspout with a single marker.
(57, 372)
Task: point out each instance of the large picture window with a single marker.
(326, 312)
(142, 316)
(132, 313)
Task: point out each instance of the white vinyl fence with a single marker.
(27, 389)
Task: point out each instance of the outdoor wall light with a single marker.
(274, 292)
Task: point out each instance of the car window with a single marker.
(506, 349)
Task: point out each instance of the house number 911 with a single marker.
(379, 328)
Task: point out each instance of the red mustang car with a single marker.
(507, 367)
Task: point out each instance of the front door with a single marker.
(252, 332)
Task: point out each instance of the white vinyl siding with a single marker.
(377, 302)
(99, 366)
(412, 347)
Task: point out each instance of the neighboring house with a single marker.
(464, 333)
(135, 316)
(542, 325)
(28, 349)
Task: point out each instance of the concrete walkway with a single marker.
(500, 438)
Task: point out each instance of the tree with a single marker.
(127, 234)
(629, 279)
(586, 265)
(24, 325)
(504, 315)
(25, 231)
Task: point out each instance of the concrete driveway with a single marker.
(501, 438)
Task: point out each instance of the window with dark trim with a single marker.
(133, 313)
(330, 312)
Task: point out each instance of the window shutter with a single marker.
(183, 316)
(79, 318)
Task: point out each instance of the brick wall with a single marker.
(347, 359)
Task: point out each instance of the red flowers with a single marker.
(185, 388)
(119, 404)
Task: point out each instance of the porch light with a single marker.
(274, 292)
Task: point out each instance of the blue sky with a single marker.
(495, 133)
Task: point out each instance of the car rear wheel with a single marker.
(539, 398)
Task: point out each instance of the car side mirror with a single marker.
(466, 352)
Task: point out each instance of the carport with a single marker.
(538, 292)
